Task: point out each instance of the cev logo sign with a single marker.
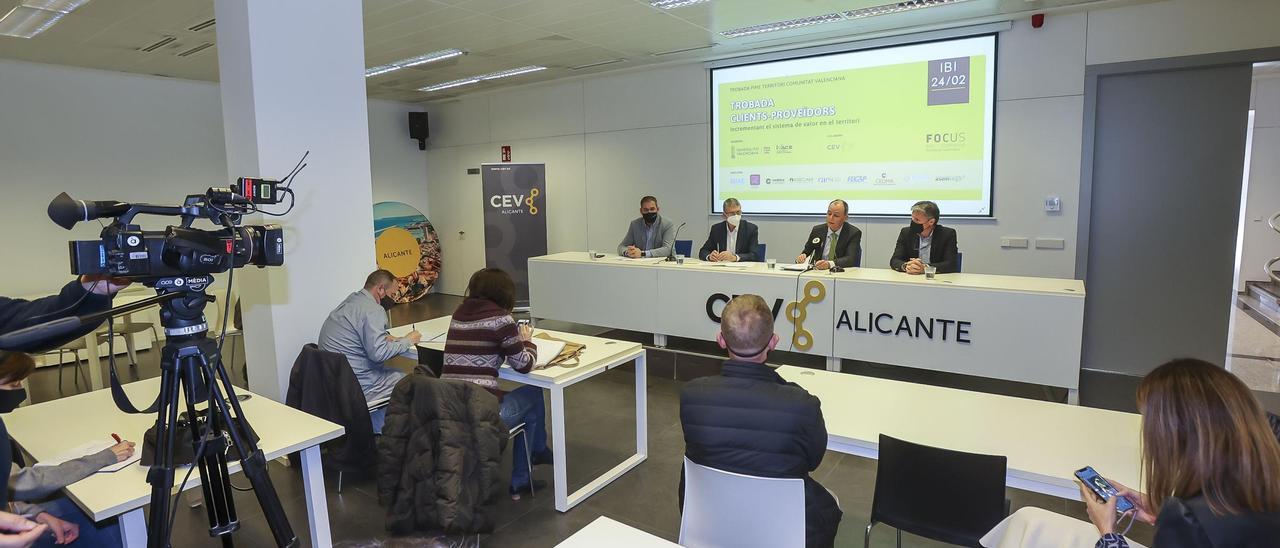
(814, 292)
(508, 201)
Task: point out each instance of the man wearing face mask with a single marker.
(783, 435)
(925, 243)
(650, 235)
(357, 329)
(733, 239)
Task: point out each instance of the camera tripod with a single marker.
(190, 365)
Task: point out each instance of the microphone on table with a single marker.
(671, 252)
(817, 247)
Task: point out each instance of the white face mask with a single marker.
(735, 220)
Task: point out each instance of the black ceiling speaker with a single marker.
(418, 128)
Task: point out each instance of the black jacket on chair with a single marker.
(848, 247)
(745, 248)
(322, 384)
(748, 420)
(942, 249)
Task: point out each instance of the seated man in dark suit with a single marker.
(847, 240)
(733, 239)
(925, 243)
(748, 420)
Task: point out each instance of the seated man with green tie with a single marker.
(834, 243)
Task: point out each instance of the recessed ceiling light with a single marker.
(682, 50)
(196, 49)
(450, 84)
(60, 6)
(897, 7)
(673, 4)
(511, 72)
(24, 22)
(597, 64)
(782, 25)
(413, 61)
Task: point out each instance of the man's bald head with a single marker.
(746, 326)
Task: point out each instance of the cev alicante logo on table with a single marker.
(801, 338)
(512, 203)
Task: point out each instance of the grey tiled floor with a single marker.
(600, 424)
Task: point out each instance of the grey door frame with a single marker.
(1091, 75)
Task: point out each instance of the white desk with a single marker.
(606, 532)
(1014, 328)
(48, 429)
(1045, 442)
(599, 356)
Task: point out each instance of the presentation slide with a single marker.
(881, 129)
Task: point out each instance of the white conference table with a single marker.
(1014, 328)
(1045, 442)
(607, 532)
(49, 429)
(600, 355)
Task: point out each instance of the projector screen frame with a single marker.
(717, 207)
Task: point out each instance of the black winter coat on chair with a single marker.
(322, 384)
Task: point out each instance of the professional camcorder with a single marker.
(127, 251)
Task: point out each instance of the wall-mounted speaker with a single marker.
(418, 128)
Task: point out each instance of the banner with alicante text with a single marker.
(515, 219)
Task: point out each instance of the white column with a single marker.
(292, 79)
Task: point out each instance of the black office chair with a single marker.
(959, 260)
(940, 494)
(684, 247)
(760, 249)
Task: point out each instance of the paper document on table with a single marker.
(797, 267)
(547, 350)
(90, 448)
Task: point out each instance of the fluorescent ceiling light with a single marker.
(413, 61)
(673, 4)
(60, 6)
(895, 8)
(597, 64)
(511, 72)
(885, 9)
(24, 22)
(782, 25)
(450, 84)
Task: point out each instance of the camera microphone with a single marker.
(66, 211)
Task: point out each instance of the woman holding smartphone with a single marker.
(1211, 469)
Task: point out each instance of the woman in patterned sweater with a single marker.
(483, 335)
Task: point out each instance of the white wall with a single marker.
(1263, 200)
(102, 135)
(610, 139)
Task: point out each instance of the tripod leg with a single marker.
(215, 484)
(160, 476)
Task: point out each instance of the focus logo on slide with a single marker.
(956, 137)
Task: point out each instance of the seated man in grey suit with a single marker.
(835, 243)
(925, 243)
(650, 235)
(733, 239)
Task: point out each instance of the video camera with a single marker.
(126, 251)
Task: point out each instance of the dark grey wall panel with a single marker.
(1168, 154)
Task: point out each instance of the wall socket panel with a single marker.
(1051, 243)
(1014, 243)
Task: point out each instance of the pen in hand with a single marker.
(116, 437)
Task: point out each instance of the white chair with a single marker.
(727, 509)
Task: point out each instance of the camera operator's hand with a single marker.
(104, 285)
(19, 532)
(63, 532)
(123, 450)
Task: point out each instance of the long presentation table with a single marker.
(1004, 327)
(600, 355)
(1045, 442)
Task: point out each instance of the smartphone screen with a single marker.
(1101, 487)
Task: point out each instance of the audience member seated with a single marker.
(748, 420)
(483, 335)
(357, 328)
(1210, 462)
(66, 521)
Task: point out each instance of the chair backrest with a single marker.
(684, 247)
(727, 509)
(959, 260)
(760, 248)
(941, 494)
(857, 258)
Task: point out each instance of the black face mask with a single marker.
(10, 399)
(650, 217)
(917, 228)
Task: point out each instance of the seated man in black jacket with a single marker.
(748, 420)
(925, 243)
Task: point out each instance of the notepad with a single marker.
(796, 267)
(90, 448)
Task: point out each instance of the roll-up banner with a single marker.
(515, 219)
